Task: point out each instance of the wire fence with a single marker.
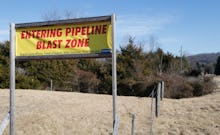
(157, 93)
(151, 112)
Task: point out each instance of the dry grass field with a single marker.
(65, 113)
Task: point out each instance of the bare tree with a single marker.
(68, 14)
(153, 43)
(51, 15)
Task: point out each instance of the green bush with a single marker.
(26, 82)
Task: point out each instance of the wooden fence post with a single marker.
(162, 90)
(158, 100)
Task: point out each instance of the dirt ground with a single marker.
(66, 113)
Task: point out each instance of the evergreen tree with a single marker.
(217, 67)
(4, 65)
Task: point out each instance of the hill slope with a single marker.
(204, 58)
(63, 113)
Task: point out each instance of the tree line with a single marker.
(137, 73)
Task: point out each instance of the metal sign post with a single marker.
(78, 46)
(114, 74)
(12, 77)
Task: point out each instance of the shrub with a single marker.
(87, 82)
(130, 87)
(193, 72)
(171, 83)
(140, 89)
(203, 86)
(125, 87)
(197, 88)
(208, 85)
(26, 82)
(184, 90)
(176, 86)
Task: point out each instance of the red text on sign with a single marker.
(86, 30)
(77, 43)
(41, 33)
(48, 44)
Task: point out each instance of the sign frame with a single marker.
(13, 58)
(66, 22)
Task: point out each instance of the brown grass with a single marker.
(66, 113)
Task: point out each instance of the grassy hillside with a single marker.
(205, 58)
(66, 113)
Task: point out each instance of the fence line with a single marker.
(162, 90)
(159, 95)
(158, 98)
(151, 112)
